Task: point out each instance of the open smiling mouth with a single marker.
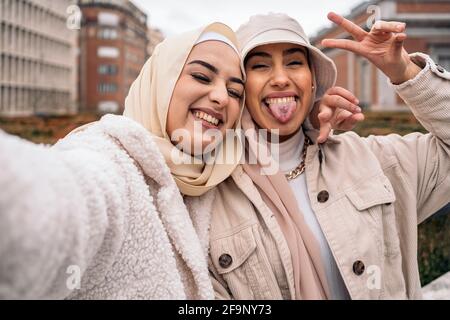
(282, 109)
(208, 120)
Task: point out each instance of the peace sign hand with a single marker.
(383, 46)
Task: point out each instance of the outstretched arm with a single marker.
(424, 160)
(55, 209)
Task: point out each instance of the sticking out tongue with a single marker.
(283, 112)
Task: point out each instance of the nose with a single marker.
(279, 78)
(219, 95)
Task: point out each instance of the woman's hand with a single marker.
(383, 46)
(338, 109)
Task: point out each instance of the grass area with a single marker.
(46, 130)
(434, 234)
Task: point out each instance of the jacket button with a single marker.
(358, 267)
(440, 68)
(323, 196)
(225, 260)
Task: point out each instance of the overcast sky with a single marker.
(174, 16)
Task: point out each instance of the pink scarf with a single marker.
(309, 272)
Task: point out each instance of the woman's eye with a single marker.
(258, 66)
(201, 77)
(295, 63)
(235, 94)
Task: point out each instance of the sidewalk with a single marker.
(439, 289)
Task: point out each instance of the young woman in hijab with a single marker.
(100, 214)
(336, 220)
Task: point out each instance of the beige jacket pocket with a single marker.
(243, 265)
(374, 199)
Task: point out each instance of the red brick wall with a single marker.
(431, 7)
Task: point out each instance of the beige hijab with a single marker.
(148, 103)
(309, 272)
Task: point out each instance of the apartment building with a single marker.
(113, 49)
(38, 58)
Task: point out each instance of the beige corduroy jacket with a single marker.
(369, 195)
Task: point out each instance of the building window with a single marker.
(108, 52)
(107, 87)
(108, 107)
(107, 34)
(108, 19)
(107, 69)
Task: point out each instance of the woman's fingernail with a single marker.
(358, 109)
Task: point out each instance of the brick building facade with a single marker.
(113, 49)
(428, 30)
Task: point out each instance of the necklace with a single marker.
(301, 167)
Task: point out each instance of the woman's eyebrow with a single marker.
(294, 50)
(215, 70)
(237, 80)
(258, 54)
(206, 65)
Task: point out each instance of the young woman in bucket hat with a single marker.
(338, 219)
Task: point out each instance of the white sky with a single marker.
(175, 16)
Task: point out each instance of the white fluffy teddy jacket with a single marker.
(99, 216)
